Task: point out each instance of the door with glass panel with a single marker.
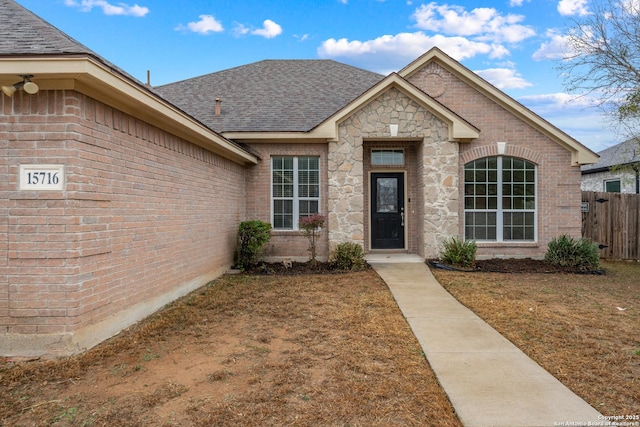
(387, 210)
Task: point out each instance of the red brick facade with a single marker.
(143, 218)
(558, 194)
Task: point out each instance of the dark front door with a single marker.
(387, 210)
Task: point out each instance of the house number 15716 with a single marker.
(44, 178)
(41, 177)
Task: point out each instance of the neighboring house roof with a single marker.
(31, 46)
(271, 95)
(624, 153)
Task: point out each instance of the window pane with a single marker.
(387, 157)
(295, 186)
(283, 214)
(308, 207)
(612, 186)
(502, 186)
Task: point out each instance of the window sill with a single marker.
(287, 232)
(507, 244)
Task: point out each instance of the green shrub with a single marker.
(252, 236)
(348, 256)
(580, 254)
(458, 252)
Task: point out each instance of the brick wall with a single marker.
(144, 218)
(558, 189)
(284, 244)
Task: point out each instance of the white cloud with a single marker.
(269, 30)
(573, 7)
(389, 51)
(240, 30)
(556, 48)
(108, 8)
(485, 24)
(514, 3)
(206, 25)
(503, 78)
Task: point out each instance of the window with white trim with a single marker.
(612, 186)
(387, 157)
(295, 190)
(500, 200)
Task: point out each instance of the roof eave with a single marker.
(580, 155)
(93, 78)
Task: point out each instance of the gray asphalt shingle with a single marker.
(271, 95)
(23, 33)
(626, 152)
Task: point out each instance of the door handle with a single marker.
(402, 217)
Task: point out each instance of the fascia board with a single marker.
(97, 81)
(580, 154)
(458, 128)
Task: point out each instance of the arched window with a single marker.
(500, 200)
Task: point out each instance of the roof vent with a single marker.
(218, 106)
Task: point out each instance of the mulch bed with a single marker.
(512, 265)
(494, 265)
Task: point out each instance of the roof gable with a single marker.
(579, 153)
(459, 129)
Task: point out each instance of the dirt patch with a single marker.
(250, 350)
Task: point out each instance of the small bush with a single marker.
(348, 256)
(252, 236)
(580, 254)
(311, 225)
(458, 252)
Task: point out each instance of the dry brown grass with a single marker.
(325, 350)
(571, 324)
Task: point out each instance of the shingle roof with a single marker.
(23, 33)
(271, 95)
(625, 153)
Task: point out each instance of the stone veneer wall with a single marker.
(439, 162)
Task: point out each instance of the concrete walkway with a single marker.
(489, 381)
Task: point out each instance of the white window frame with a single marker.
(296, 197)
(393, 151)
(607, 181)
(499, 211)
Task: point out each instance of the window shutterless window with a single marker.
(387, 157)
(295, 190)
(500, 199)
(612, 186)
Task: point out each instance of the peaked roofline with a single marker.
(459, 129)
(580, 154)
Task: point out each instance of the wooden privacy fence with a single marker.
(613, 221)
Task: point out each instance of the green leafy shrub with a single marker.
(458, 252)
(348, 256)
(311, 225)
(580, 254)
(252, 236)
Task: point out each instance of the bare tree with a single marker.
(603, 59)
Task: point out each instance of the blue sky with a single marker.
(510, 43)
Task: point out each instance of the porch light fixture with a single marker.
(26, 84)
